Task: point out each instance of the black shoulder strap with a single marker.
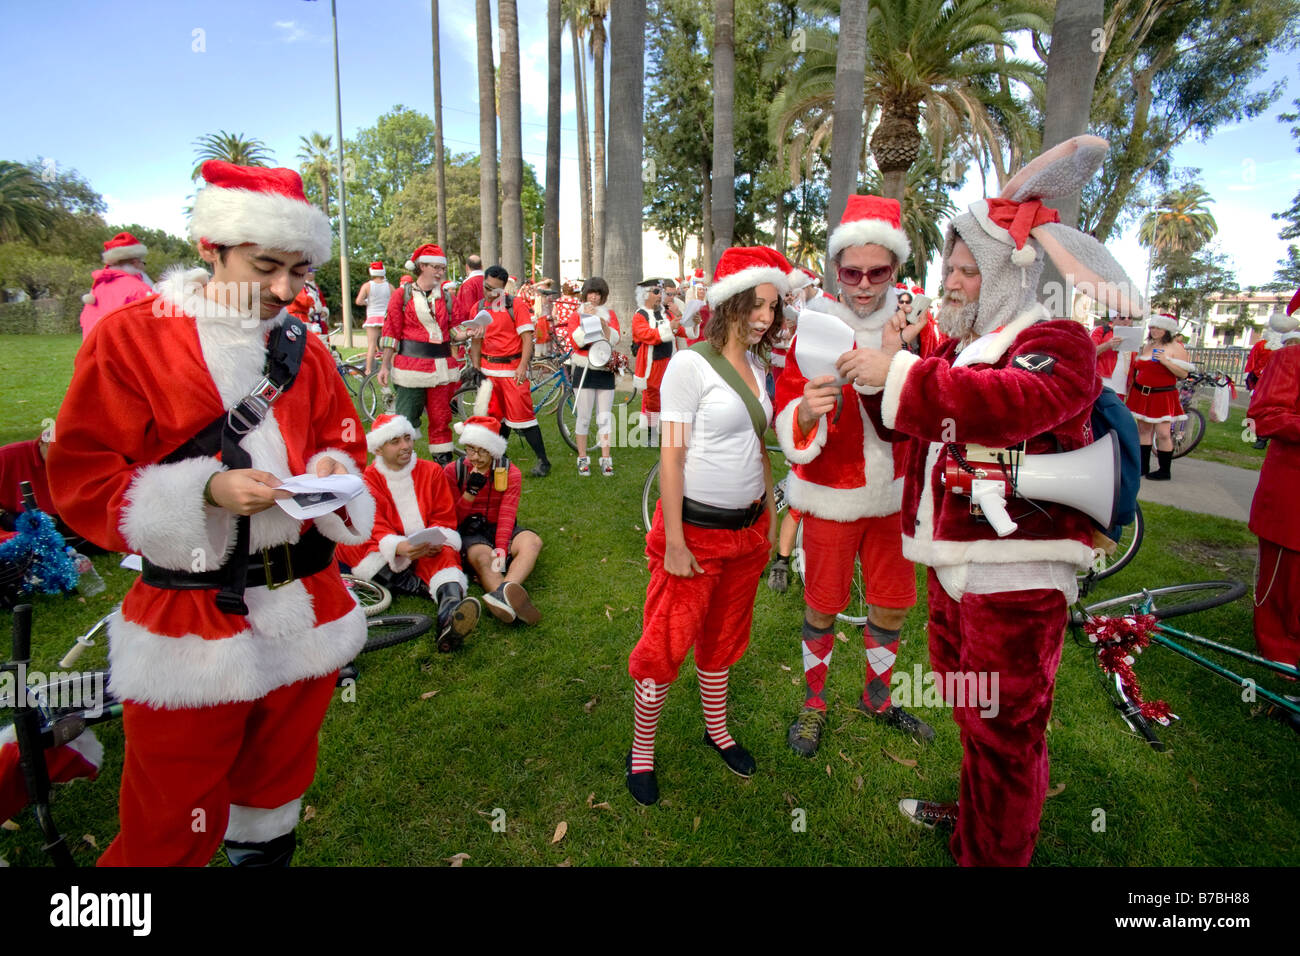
(757, 417)
(460, 473)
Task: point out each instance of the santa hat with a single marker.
(386, 428)
(429, 253)
(874, 221)
(482, 431)
(918, 290)
(243, 204)
(121, 247)
(377, 269)
(746, 267)
(407, 280)
(799, 279)
(1164, 321)
(698, 277)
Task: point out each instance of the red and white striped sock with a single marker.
(713, 697)
(648, 702)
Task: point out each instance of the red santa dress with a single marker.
(1153, 393)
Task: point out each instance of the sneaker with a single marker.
(453, 630)
(510, 602)
(499, 605)
(607, 467)
(736, 757)
(928, 814)
(893, 716)
(778, 578)
(584, 467)
(643, 786)
(541, 469)
(805, 734)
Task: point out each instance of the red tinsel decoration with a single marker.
(1120, 638)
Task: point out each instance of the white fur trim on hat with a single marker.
(377, 273)
(232, 217)
(1166, 322)
(481, 437)
(395, 427)
(1290, 337)
(1281, 322)
(750, 278)
(869, 232)
(122, 253)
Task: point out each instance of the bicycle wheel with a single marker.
(649, 495)
(1170, 602)
(1188, 434)
(1129, 543)
(1129, 711)
(373, 598)
(548, 393)
(566, 417)
(856, 612)
(395, 629)
(374, 400)
(462, 402)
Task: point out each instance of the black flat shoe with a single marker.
(643, 786)
(736, 757)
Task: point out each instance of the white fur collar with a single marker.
(393, 473)
(858, 323)
(991, 346)
(184, 290)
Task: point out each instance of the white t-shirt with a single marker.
(723, 467)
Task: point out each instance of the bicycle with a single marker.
(1188, 433)
(1117, 638)
(365, 389)
(1126, 549)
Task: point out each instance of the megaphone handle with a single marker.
(988, 495)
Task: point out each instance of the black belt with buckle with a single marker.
(424, 350)
(724, 519)
(270, 568)
(1152, 389)
(499, 359)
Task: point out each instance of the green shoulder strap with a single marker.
(757, 417)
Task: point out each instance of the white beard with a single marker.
(958, 321)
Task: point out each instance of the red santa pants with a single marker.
(650, 397)
(829, 548)
(1277, 603)
(507, 401)
(711, 612)
(436, 402)
(185, 768)
(1018, 636)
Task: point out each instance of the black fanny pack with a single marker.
(700, 515)
(424, 350)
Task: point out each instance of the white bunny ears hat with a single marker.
(1008, 236)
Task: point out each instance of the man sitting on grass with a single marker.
(500, 553)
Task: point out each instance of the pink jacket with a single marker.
(110, 289)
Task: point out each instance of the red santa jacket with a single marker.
(419, 317)
(842, 470)
(499, 508)
(111, 288)
(503, 344)
(151, 377)
(468, 297)
(572, 319)
(654, 332)
(1275, 410)
(990, 395)
(406, 501)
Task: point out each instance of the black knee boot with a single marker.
(533, 436)
(272, 853)
(457, 616)
(1146, 460)
(1165, 458)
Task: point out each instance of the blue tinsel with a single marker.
(38, 549)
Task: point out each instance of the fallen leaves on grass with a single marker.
(845, 757)
(561, 829)
(308, 813)
(789, 799)
(857, 783)
(589, 705)
(840, 635)
(905, 761)
(828, 770)
(696, 825)
(785, 667)
(566, 862)
(428, 694)
(1057, 790)
(457, 860)
(10, 826)
(591, 803)
(90, 838)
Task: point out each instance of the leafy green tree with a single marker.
(1180, 222)
(25, 211)
(316, 156)
(41, 274)
(1188, 279)
(231, 147)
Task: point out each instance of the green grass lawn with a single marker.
(1222, 441)
(485, 752)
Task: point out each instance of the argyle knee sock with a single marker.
(882, 648)
(647, 704)
(817, 646)
(533, 436)
(713, 698)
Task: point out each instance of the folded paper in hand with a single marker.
(435, 537)
(482, 320)
(313, 497)
(821, 340)
(1129, 337)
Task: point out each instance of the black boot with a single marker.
(402, 582)
(457, 616)
(533, 436)
(1146, 460)
(273, 853)
(1165, 458)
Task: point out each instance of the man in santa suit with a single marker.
(121, 281)
(1261, 353)
(1275, 412)
(411, 495)
(503, 356)
(224, 691)
(655, 337)
(470, 292)
(417, 339)
(846, 480)
(998, 592)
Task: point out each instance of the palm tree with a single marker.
(596, 12)
(627, 75)
(925, 205)
(487, 135)
(551, 221)
(512, 142)
(439, 154)
(1180, 222)
(850, 73)
(26, 204)
(318, 161)
(577, 29)
(233, 148)
(724, 138)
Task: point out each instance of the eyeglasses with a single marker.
(876, 275)
(904, 300)
(656, 290)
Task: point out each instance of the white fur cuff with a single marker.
(388, 548)
(453, 575)
(166, 520)
(255, 825)
(785, 425)
(898, 368)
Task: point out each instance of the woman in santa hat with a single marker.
(374, 295)
(593, 386)
(1153, 392)
(121, 281)
(714, 525)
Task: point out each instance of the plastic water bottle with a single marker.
(89, 582)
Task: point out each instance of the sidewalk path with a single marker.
(1205, 487)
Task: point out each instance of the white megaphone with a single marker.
(1086, 479)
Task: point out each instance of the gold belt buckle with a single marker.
(271, 585)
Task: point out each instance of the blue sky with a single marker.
(120, 91)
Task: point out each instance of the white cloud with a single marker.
(290, 32)
(165, 210)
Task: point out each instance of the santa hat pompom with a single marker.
(1283, 323)
(1024, 256)
(88, 298)
(386, 428)
(408, 265)
(482, 431)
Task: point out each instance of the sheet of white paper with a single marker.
(1130, 337)
(434, 536)
(482, 320)
(132, 562)
(821, 340)
(591, 330)
(313, 497)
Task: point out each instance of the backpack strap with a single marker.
(719, 363)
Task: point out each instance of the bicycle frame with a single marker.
(1161, 637)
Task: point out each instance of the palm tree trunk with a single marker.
(551, 225)
(487, 135)
(724, 139)
(627, 75)
(598, 172)
(323, 174)
(779, 232)
(584, 153)
(850, 72)
(439, 155)
(512, 143)
(706, 227)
